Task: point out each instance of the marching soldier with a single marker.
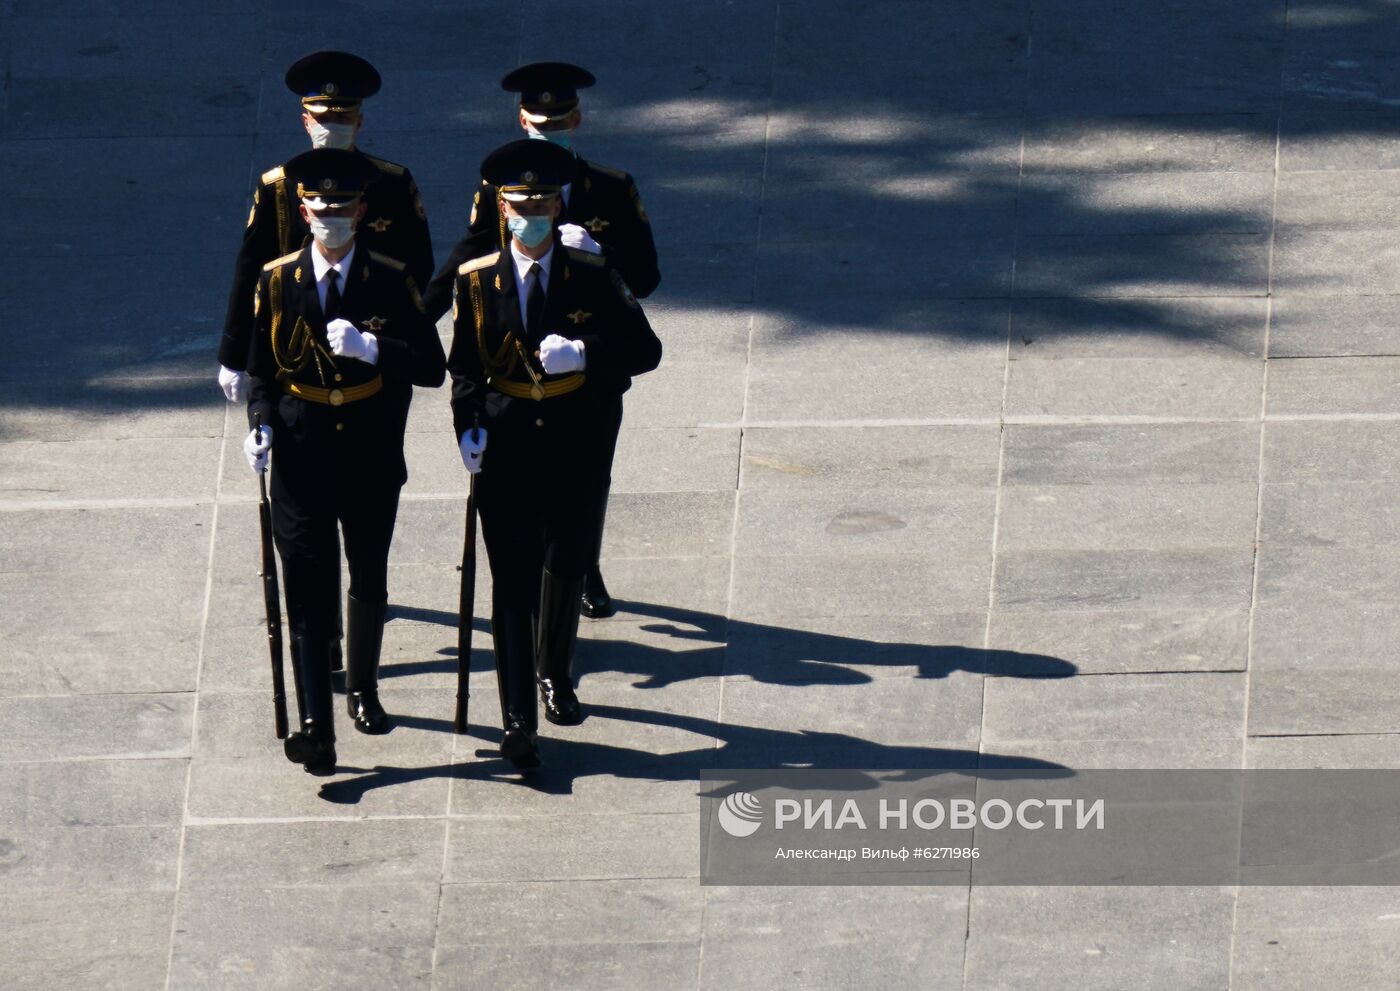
(340, 340)
(545, 338)
(333, 87)
(601, 209)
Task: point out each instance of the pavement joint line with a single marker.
(104, 695)
(1260, 485)
(1331, 357)
(751, 329)
(1332, 417)
(194, 712)
(609, 879)
(241, 884)
(1001, 423)
(206, 822)
(1022, 419)
(1291, 736)
(134, 755)
(1120, 674)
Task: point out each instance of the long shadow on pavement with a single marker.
(789, 657)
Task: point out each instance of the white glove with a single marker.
(575, 236)
(348, 341)
(472, 449)
(559, 355)
(257, 450)
(234, 384)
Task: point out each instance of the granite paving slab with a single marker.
(1028, 400)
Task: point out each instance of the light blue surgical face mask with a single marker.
(563, 138)
(530, 230)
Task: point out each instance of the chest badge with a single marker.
(375, 324)
(380, 224)
(579, 316)
(596, 225)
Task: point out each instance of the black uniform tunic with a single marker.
(541, 459)
(338, 424)
(394, 225)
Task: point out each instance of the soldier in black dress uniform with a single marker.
(602, 210)
(340, 340)
(333, 87)
(545, 337)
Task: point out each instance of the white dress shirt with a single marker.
(522, 269)
(321, 265)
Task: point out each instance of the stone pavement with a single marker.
(1031, 391)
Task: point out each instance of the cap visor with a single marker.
(315, 203)
(326, 108)
(535, 118)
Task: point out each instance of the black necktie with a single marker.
(332, 306)
(534, 303)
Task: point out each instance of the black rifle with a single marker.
(466, 600)
(272, 602)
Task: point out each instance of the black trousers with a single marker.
(304, 519)
(535, 494)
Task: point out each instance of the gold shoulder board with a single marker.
(485, 261)
(279, 262)
(393, 263)
(386, 166)
(586, 257)
(272, 175)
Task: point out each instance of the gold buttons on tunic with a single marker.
(539, 423)
(340, 426)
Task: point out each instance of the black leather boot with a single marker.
(338, 645)
(554, 649)
(296, 680)
(314, 745)
(515, 674)
(596, 603)
(366, 621)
